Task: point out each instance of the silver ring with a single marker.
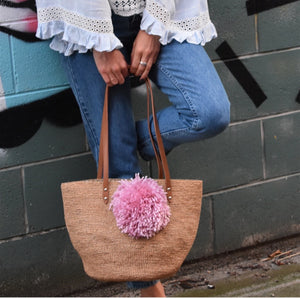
(143, 63)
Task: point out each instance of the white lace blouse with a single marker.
(80, 25)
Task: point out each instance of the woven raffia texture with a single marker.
(109, 255)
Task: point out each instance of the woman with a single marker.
(161, 39)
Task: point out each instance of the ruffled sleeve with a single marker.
(76, 25)
(181, 20)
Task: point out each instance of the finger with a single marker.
(147, 69)
(106, 79)
(135, 64)
(142, 67)
(133, 60)
(113, 80)
(119, 76)
(124, 71)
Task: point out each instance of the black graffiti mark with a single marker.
(26, 4)
(298, 97)
(257, 6)
(25, 36)
(62, 109)
(242, 75)
(19, 124)
(28, 37)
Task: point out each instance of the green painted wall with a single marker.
(251, 172)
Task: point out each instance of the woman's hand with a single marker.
(112, 66)
(144, 54)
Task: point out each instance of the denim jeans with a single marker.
(199, 105)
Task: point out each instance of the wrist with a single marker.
(151, 35)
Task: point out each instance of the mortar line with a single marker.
(255, 183)
(12, 64)
(254, 55)
(262, 134)
(256, 32)
(265, 117)
(212, 223)
(26, 223)
(54, 88)
(30, 235)
(44, 161)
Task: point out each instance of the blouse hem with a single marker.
(169, 32)
(67, 38)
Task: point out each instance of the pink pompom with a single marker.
(140, 207)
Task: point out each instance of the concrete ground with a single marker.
(245, 273)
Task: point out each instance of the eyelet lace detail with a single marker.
(158, 11)
(59, 14)
(127, 7)
(161, 14)
(192, 24)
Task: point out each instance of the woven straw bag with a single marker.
(106, 253)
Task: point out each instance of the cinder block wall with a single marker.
(251, 172)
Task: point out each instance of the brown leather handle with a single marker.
(103, 162)
(161, 148)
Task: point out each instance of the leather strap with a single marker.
(157, 155)
(103, 160)
(160, 155)
(161, 148)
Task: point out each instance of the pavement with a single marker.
(279, 282)
(267, 270)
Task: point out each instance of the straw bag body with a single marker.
(106, 253)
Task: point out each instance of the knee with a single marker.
(214, 119)
(218, 120)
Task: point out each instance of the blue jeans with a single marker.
(200, 108)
